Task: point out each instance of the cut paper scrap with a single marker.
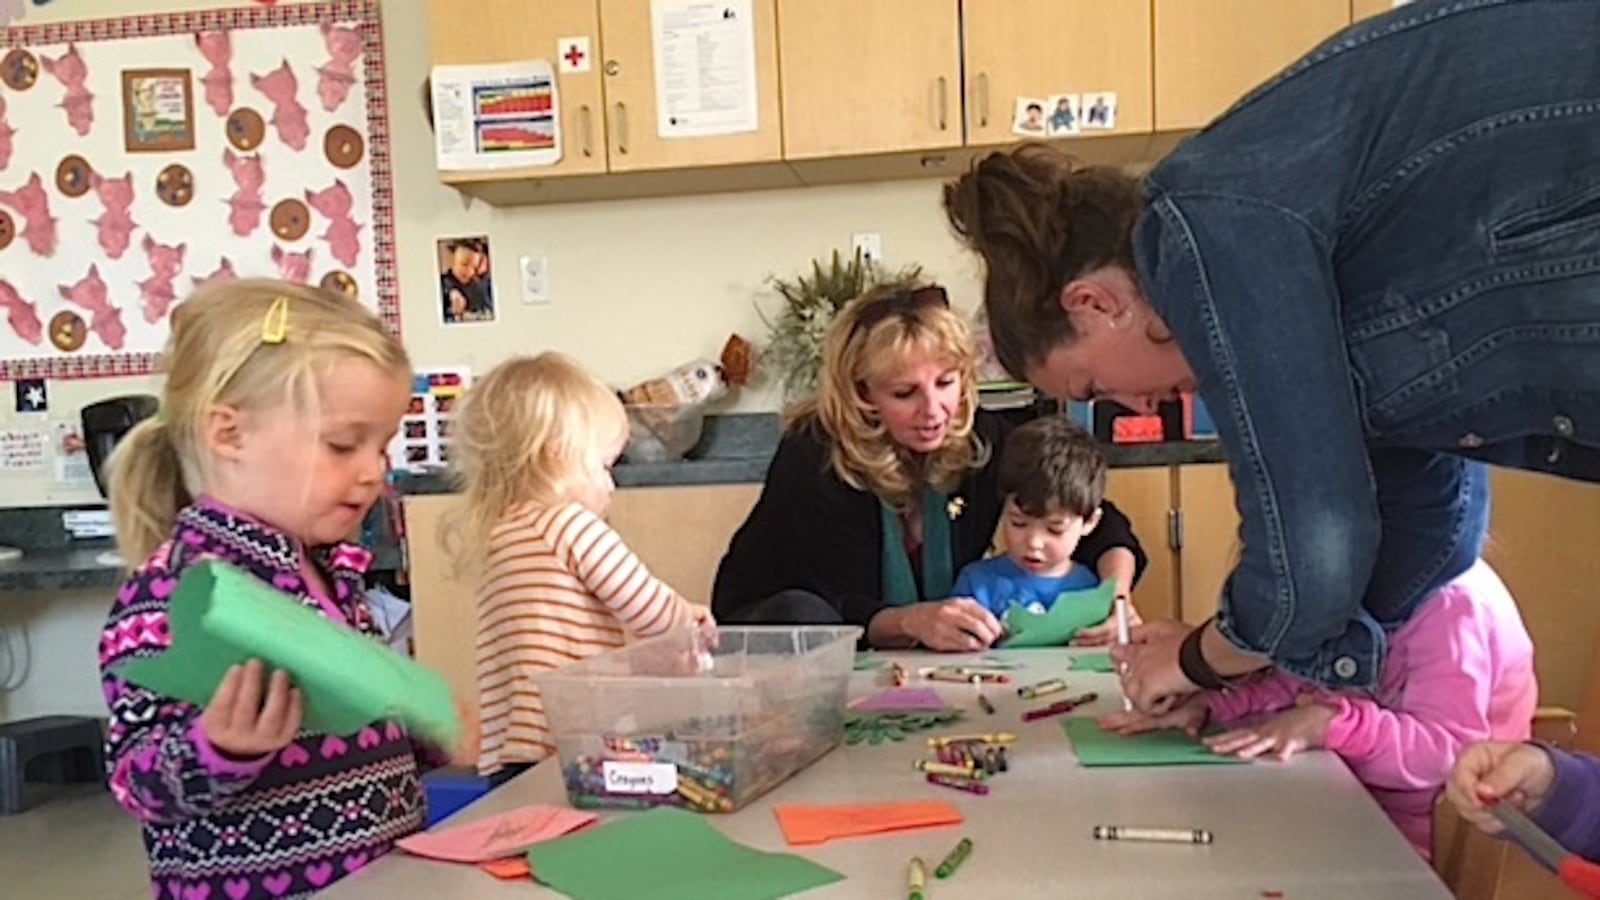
(804, 823)
(1091, 662)
(866, 662)
(901, 698)
(1072, 610)
(1169, 747)
(220, 616)
(508, 869)
(668, 854)
(497, 837)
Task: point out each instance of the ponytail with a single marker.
(146, 489)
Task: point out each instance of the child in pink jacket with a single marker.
(1460, 670)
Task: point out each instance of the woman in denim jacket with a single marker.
(1379, 270)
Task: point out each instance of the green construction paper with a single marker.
(866, 662)
(668, 854)
(1170, 747)
(1054, 628)
(220, 616)
(1091, 662)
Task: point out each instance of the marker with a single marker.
(953, 860)
(1158, 835)
(960, 784)
(940, 768)
(1575, 872)
(1049, 686)
(1123, 638)
(916, 879)
(1059, 707)
(992, 737)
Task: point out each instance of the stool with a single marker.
(60, 749)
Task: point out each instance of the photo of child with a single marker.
(416, 431)
(1064, 114)
(466, 289)
(1100, 111)
(417, 406)
(1030, 117)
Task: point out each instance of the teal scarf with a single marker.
(899, 584)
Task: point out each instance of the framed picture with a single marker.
(157, 110)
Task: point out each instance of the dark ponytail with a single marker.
(1039, 221)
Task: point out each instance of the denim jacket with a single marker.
(1382, 265)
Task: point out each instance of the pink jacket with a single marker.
(1460, 670)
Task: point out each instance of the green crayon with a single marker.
(954, 859)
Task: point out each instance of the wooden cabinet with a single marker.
(869, 77)
(679, 532)
(1208, 532)
(505, 31)
(634, 140)
(1036, 48)
(1145, 496)
(1209, 53)
(608, 114)
(1361, 9)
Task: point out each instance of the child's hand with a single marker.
(1190, 715)
(469, 745)
(239, 723)
(1487, 771)
(1282, 735)
(1105, 633)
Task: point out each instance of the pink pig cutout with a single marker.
(288, 116)
(156, 292)
(336, 77)
(34, 204)
(116, 223)
(217, 48)
(343, 234)
(6, 135)
(223, 272)
(70, 69)
(292, 266)
(246, 205)
(105, 319)
(20, 314)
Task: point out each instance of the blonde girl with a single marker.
(535, 442)
(267, 451)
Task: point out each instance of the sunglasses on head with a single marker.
(900, 303)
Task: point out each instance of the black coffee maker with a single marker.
(105, 423)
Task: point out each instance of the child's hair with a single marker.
(874, 334)
(252, 344)
(1050, 464)
(521, 434)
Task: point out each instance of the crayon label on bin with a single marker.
(640, 778)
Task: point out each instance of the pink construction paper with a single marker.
(497, 836)
(902, 698)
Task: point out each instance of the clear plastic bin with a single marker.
(651, 724)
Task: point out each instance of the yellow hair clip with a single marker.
(275, 327)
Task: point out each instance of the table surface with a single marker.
(1306, 828)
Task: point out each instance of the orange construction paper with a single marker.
(804, 823)
(508, 869)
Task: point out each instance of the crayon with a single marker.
(992, 737)
(1158, 835)
(960, 784)
(916, 879)
(1059, 707)
(1049, 686)
(954, 859)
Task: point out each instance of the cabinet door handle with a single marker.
(586, 127)
(622, 128)
(944, 103)
(983, 99)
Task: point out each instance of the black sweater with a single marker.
(810, 530)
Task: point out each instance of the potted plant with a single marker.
(810, 303)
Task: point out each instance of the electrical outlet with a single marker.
(868, 245)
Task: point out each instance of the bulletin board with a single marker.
(141, 156)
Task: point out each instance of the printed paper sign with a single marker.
(496, 117)
(705, 57)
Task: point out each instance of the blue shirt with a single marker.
(998, 583)
(1383, 265)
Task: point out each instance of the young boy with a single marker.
(1053, 478)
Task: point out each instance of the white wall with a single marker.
(639, 286)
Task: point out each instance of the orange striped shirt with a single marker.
(558, 585)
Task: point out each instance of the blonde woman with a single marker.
(535, 442)
(885, 485)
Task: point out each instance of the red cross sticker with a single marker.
(573, 53)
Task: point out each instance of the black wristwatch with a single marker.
(1193, 662)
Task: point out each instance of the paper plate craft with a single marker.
(1072, 611)
(220, 616)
